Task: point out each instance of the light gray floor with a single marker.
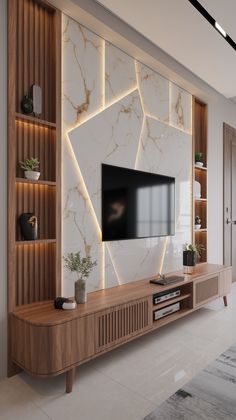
(130, 382)
(211, 395)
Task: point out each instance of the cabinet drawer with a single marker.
(206, 289)
(121, 323)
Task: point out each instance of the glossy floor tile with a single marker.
(129, 382)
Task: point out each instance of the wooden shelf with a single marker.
(39, 182)
(37, 242)
(201, 168)
(171, 301)
(201, 199)
(34, 120)
(172, 317)
(200, 230)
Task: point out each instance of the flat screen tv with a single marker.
(136, 204)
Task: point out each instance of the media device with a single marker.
(163, 296)
(164, 281)
(166, 311)
(136, 204)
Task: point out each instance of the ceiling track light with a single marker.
(213, 22)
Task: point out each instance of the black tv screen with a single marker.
(136, 204)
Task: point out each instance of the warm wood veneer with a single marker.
(47, 342)
(34, 57)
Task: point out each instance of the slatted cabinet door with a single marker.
(119, 324)
(205, 289)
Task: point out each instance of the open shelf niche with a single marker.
(34, 57)
(200, 174)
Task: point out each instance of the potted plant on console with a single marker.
(29, 167)
(82, 267)
(190, 254)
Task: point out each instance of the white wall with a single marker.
(3, 186)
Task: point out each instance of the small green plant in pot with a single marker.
(190, 254)
(82, 267)
(197, 223)
(198, 159)
(29, 167)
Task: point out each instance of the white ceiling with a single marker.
(180, 30)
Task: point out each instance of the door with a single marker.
(230, 197)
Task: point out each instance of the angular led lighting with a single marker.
(220, 29)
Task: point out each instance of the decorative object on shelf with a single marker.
(36, 95)
(197, 189)
(83, 267)
(198, 159)
(29, 166)
(197, 223)
(190, 254)
(27, 105)
(64, 303)
(29, 226)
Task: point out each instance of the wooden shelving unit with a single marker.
(34, 57)
(200, 173)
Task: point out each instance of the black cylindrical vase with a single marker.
(29, 226)
(189, 261)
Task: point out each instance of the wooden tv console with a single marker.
(47, 342)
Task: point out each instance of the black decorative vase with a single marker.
(189, 261)
(29, 226)
(27, 105)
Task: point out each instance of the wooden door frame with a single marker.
(228, 133)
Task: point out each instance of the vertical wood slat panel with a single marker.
(120, 324)
(33, 55)
(36, 58)
(36, 141)
(34, 285)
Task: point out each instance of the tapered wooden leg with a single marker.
(70, 374)
(225, 300)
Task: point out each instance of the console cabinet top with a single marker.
(44, 314)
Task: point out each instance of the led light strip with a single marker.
(213, 22)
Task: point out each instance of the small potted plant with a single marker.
(197, 223)
(198, 159)
(29, 167)
(82, 267)
(190, 254)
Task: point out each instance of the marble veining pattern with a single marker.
(82, 72)
(210, 395)
(154, 91)
(180, 108)
(120, 75)
(110, 137)
(105, 92)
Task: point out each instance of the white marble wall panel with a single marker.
(95, 76)
(180, 108)
(154, 90)
(168, 151)
(82, 96)
(110, 137)
(137, 259)
(83, 87)
(120, 75)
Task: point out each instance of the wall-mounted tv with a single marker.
(136, 204)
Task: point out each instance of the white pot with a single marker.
(34, 175)
(199, 164)
(197, 227)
